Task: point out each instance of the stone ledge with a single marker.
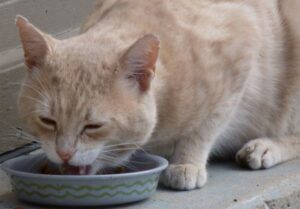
(229, 187)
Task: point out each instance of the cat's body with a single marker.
(226, 73)
(191, 33)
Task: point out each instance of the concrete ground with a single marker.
(229, 187)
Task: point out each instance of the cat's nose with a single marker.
(65, 155)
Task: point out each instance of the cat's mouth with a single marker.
(65, 169)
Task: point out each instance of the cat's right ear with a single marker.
(35, 43)
(140, 59)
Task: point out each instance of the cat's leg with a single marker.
(234, 60)
(164, 149)
(264, 153)
(187, 169)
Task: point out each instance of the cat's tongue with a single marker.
(76, 170)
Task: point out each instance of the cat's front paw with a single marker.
(259, 153)
(184, 176)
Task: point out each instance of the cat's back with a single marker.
(180, 23)
(202, 17)
(196, 23)
(197, 37)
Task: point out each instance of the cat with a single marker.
(186, 79)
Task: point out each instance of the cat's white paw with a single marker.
(184, 176)
(259, 154)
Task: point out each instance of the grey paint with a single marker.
(52, 16)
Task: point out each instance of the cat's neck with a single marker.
(116, 35)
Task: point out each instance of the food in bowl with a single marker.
(46, 168)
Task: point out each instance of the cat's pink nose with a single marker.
(65, 155)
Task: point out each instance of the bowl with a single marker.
(84, 190)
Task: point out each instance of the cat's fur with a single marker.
(218, 76)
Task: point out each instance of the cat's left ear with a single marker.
(36, 44)
(140, 59)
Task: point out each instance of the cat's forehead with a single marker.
(76, 89)
(82, 71)
(83, 78)
(88, 52)
(76, 58)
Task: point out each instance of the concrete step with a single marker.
(229, 187)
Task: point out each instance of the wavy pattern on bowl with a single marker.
(31, 189)
(18, 183)
(94, 190)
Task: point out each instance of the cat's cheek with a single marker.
(40, 132)
(49, 149)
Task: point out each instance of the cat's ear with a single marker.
(140, 59)
(35, 43)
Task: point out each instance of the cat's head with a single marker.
(86, 101)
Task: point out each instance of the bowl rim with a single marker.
(6, 166)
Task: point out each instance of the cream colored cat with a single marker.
(183, 78)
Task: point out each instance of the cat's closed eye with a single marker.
(48, 123)
(91, 128)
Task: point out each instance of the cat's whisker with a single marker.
(102, 156)
(43, 87)
(128, 160)
(127, 143)
(116, 145)
(30, 139)
(128, 164)
(18, 133)
(9, 136)
(14, 136)
(121, 149)
(32, 112)
(115, 162)
(114, 156)
(36, 100)
(141, 148)
(30, 87)
(24, 133)
(17, 129)
(9, 127)
(106, 150)
(38, 161)
(108, 160)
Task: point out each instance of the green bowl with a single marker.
(84, 190)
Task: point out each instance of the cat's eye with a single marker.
(48, 122)
(91, 127)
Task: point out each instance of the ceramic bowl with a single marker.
(84, 190)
